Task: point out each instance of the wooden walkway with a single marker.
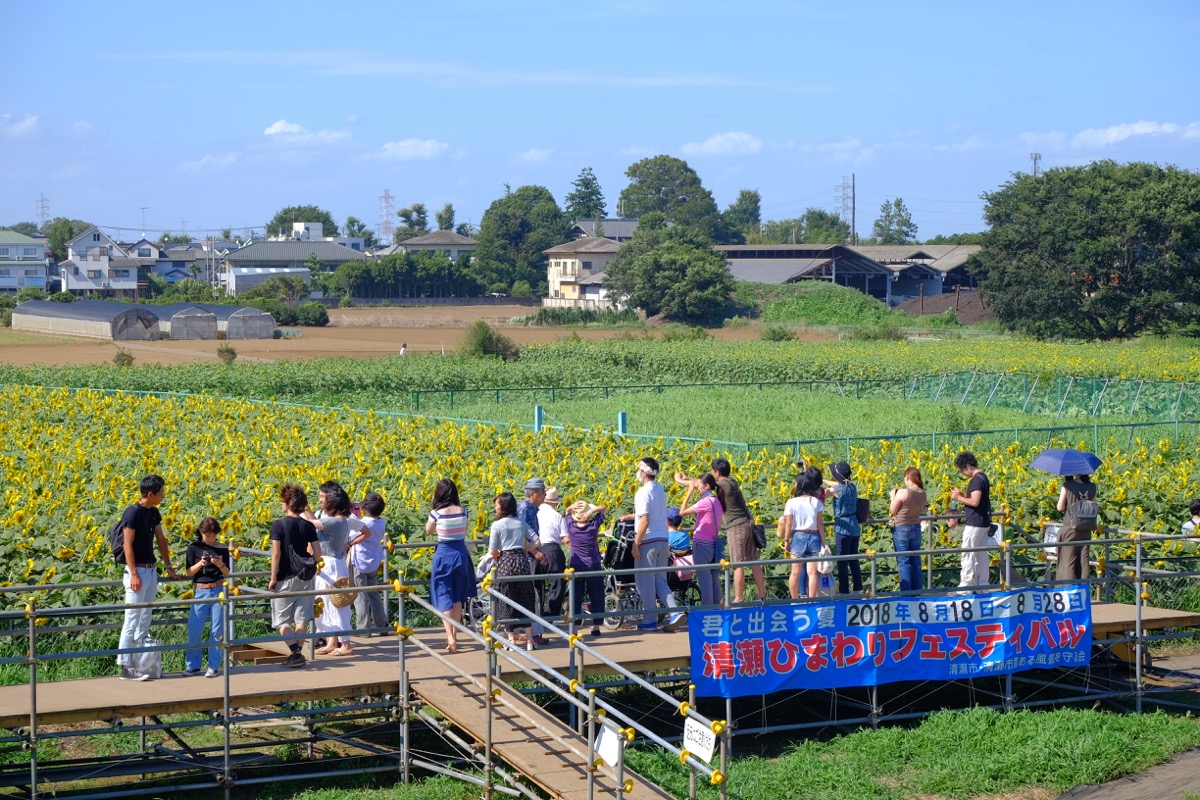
(542, 752)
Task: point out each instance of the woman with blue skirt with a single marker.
(452, 577)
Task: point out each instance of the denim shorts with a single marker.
(805, 545)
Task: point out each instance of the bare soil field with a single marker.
(352, 333)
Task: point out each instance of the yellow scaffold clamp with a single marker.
(574, 639)
(403, 631)
(683, 708)
(627, 733)
(401, 588)
(574, 685)
(717, 778)
(684, 755)
(568, 572)
(628, 787)
(235, 552)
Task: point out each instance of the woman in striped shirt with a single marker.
(452, 579)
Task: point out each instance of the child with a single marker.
(365, 556)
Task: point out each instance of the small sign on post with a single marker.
(699, 740)
(608, 745)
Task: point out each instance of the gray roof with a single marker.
(942, 257)
(174, 309)
(588, 244)
(845, 260)
(446, 238)
(390, 250)
(294, 251)
(774, 271)
(101, 310)
(591, 280)
(611, 228)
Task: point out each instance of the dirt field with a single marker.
(352, 332)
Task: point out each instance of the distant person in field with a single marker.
(977, 500)
(142, 529)
(207, 562)
(1076, 500)
(365, 557)
(292, 535)
(907, 505)
(403, 348)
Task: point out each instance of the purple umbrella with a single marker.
(1066, 462)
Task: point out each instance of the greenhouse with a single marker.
(186, 321)
(242, 322)
(96, 319)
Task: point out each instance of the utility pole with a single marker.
(854, 209)
(43, 210)
(385, 216)
(144, 221)
(1036, 159)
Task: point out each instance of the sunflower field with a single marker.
(72, 459)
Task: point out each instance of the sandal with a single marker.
(327, 650)
(343, 651)
(451, 648)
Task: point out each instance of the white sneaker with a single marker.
(212, 673)
(674, 622)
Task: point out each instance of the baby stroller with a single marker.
(479, 607)
(620, 592)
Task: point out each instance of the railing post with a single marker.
(1138, 649)
(31, 613)
(227, 665)
(622, 420)
(538, 414)
(405, 692)
(691, 767)
(490, 705)
(591, 739)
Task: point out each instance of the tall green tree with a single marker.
(59, 231)
(671, 271)
(25, 228)
(745, 213)
(513, 233)
(669, 186)
(586, 200)
(445, 218)
(357, 228)
(416, 222)
(167, 238)
(894, 224)
(1103, 251)
(281, 223)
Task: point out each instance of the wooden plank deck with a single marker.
(1110, 619)
(374, 670)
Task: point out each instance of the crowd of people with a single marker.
(340, 545)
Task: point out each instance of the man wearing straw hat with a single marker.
(551, 536)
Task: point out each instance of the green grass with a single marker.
(746, 414)
(954, 754)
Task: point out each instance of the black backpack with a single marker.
(116, 540)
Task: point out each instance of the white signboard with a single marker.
(699, 740)
(608, 745)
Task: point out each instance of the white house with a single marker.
(22, 262)
(97, 263)
(574, 272)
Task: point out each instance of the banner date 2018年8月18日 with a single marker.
(842, 643)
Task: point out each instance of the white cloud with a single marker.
(208, 162)
(734, 143)
(1114, 134)
(10, 125)
(413, 149)
(534, 155)
(297, 134)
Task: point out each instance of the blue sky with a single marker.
(218, 114)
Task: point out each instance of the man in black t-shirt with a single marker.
(292, 538)
(142, 526)
(977, 518)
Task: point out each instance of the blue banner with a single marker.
(828, 644)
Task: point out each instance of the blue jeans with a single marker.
(908, 537)
(805, 545)
(848, 546)
(214, 614)
(709, 580)
(136, 628)
(654, 585)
